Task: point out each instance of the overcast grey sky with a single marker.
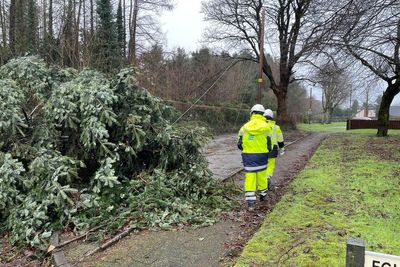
(184, 26)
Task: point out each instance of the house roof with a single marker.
(394, 111)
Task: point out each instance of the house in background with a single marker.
(362, 114)
(394, 112)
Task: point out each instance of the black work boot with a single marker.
(251, 205)
(263, 198)
(263, 195)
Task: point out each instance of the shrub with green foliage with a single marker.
(82, 149)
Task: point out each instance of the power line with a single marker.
(214, 83)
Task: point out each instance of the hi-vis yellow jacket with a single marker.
(254, 139)
(276, 138)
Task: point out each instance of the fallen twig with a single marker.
(296, 244)
(111, 241)
(78, 237)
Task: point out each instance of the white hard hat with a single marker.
(258, 108)
(268, 113)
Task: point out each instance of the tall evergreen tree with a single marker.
(32, 26)
(20, 27)
(12, 25)
(17, 25)
(121, 30)
(48, 44)
(106, 38)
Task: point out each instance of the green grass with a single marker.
(339, 127)
(349, 188)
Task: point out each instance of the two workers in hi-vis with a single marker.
(259, 140)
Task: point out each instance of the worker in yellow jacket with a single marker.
(277, 141)
(255, 143)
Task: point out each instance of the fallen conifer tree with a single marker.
(83, 149)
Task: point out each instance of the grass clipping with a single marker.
(83, 149)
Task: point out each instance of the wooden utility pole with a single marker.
(261, 45)
(366, 111)
(351, 105)
(310, 108)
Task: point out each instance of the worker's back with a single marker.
(254, 135)
(255, 142)
(276, 137)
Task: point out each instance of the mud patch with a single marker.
(382, 147)
(14, 256)
(287, 167)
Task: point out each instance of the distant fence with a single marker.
(370, 124)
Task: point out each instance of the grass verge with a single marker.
(339, 127)
(349, 188)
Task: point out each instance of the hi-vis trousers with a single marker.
(271, 166)
(252, 179)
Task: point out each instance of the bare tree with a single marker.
(64, 31)
(336, 87)
(67, 41)
(298, 26)
(178, 74)
(144, 28)
(369, 31)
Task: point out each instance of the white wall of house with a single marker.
(361, 114)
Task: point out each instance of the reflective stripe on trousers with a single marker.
(255, 169)
(254, 180)
(250, 196)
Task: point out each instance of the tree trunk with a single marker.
(281, 93)
(328, 118)
(383, 116)
(32, 23)
(77, 47)
(124, 17)
(91, 19)
(67, 37)
(21, 40)
(282, 108)
(280, 90)
(11, 33)
(84, 36)
(50, 30)
(49, 35)
(133, 29)
(44, 30)
(3, 23)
